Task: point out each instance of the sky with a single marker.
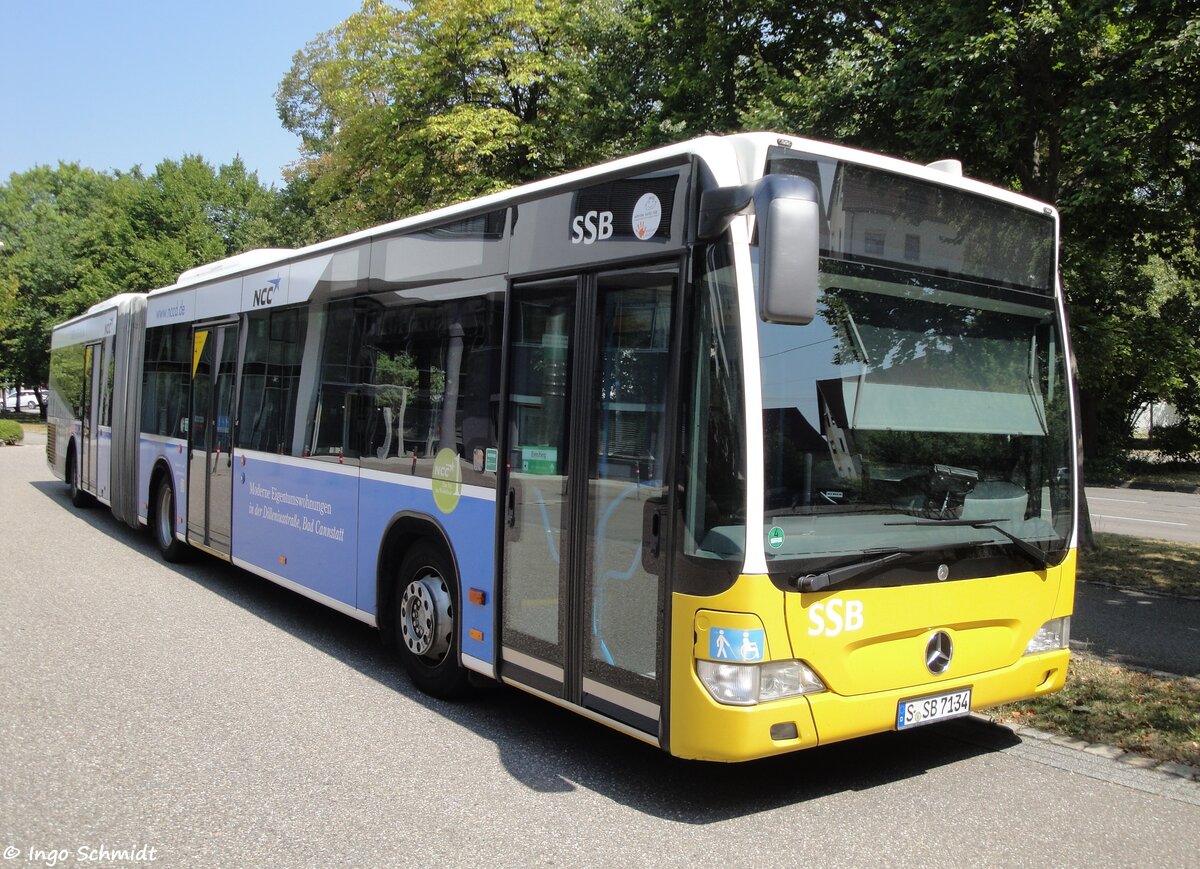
(112, 84)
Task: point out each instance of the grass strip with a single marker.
(1107, 703)
(1146, 565)
(1162, 473)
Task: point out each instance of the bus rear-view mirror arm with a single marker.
(788, 213)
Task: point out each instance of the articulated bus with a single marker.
(740, 446)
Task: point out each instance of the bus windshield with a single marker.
(925, 406)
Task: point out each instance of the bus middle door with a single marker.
(210, 437)
(92, 390)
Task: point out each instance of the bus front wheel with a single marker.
(79, 497)
(425, 622)
(163, 523)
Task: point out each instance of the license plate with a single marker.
(939, 707)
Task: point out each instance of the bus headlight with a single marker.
(749, 684)
(1055, 634)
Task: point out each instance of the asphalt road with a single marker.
(223, 721)
(1139, 513)
(1129, 626)
(1133, 627)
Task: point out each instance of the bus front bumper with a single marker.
(703, 729)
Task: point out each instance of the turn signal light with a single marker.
(1055, 634)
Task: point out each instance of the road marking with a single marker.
(1115, 500)
(1147, 521)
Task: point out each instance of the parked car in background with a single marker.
(26, 402)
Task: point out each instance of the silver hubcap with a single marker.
(165, 510)
(425, 617)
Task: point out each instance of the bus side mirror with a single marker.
(789, 233)
(788, 213)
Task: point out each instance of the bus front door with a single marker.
(586, 441)
(210, 436)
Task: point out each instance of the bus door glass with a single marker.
(587, 441)
(210, 435)
(92, 391)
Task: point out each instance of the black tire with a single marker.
(162, 523)
(79, 497)
(425, 621)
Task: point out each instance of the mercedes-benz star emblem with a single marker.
(938, 652)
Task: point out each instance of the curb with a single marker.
(1136, 668)
(1150, 592)
(1181, 488)
(1118, 755)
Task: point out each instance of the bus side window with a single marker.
(271, 379)
(166, 377)
(335, 430)
(428, 380)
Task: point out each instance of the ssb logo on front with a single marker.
(834, 616)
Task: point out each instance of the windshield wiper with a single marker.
(816, 582)
(1037, 556)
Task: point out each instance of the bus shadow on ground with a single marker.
(552, 750)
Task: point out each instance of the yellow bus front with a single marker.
(841, 664)
(877, 519)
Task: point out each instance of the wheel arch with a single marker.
(72, 456)
(405, 529)
(160, 469)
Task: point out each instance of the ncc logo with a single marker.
(265, 296)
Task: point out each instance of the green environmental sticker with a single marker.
(775, 537)
(447, 480)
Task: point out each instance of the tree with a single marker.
(40, 271)
(73, 236)
(400, 111)
(699, 64)
(1088, 105)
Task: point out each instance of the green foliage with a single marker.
(396, 377)
(1092, 106)
(1179, 442)
(404, 110)
(73, 236)
(11, 431)
(43, 260)
(699, 65)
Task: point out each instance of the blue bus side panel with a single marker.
(174, 452)
(471, 527)
(298, 520)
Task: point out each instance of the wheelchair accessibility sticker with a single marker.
(731, 644)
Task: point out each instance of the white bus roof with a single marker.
(733, 159)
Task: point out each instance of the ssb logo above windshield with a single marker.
(592, 227)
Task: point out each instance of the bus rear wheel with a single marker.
(425, 622)
(162, 523)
